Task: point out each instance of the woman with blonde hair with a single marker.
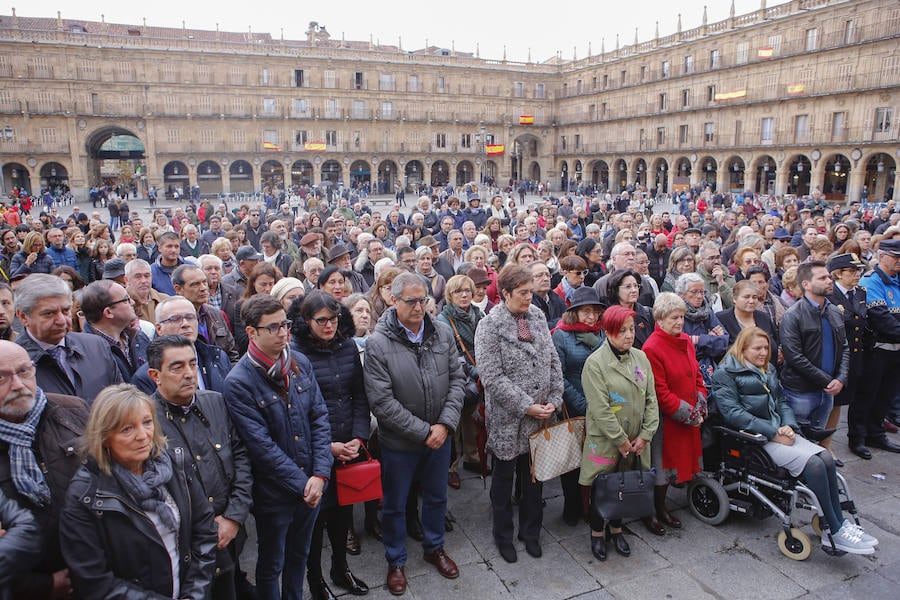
(379, 295)
(32, 258)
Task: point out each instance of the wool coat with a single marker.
(621, 406)
(515, 375)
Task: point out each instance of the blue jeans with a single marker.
(810, 408)
(284, 538)
(398, 469)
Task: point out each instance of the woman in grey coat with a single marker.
(523, 386)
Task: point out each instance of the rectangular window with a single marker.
(48, 135)
(358, 81)
(238, 137)
(301, 137)
(268, 106)
(540, 90)
(204, 105)
(329, 79)
(171, 103)
(412, 83)
(812, 39)
(738, 126)
(44, 100)
(9, 134)
(298, 78)
(838, 126)
(662, 101)
(173, 136)
(845, 77)
(387, 110)
(565, 90)
(331, 137)
(689, 64)
(40, 67)
(660, 136)
(563, 143)
(775, 44)
(441, 85)
(86, 70)
(236, 76)
(440, 140)
(592, 112)
(386, 82)
(300, 107)
(714, 59)
(359, 109)
(579, 87)
(594, 83)
(167, 72)
(742, 53)
(605, 81)
(465, 140)
(666, 69)
(203, 73)
(357, 139)
(890, 69)
(237, 105)
(518, 89)
(710, 93)
(683, 134)
(332, 111)
(602, 110)
(685, 98)
(6, 68)
(849, 32)
(622, 76)
(771, 85)
(129, 103)
(124, 71)
(883, 118)
(265, 77)
(709, 131)
(767, 130)
(270, 136)
(801, 128)
(643, 72)
(207, 136)
(577, 141)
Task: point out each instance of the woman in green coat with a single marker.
(622, 415)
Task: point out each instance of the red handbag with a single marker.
(358, 481)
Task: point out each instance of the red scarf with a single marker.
(578, 327)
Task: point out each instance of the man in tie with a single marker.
(76, 364)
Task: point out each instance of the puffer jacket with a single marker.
(288, 438)
(412, 386)
(801, 343)
(515, 375)
(338, 372)
(18, 266)
(751, 400)
(573, 353)
(113, 550)
(21, 546)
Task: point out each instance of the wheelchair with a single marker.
(747, 482)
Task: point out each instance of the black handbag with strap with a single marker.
(624, 494)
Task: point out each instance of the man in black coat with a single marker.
(57, 422)
(198, 421)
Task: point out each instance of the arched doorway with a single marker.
(272, 174)
(115, 156)
(490, 171)
(176, 179)
(600, 175)
(360, 175)
(881, 173)
(413, 175)
(639, 174)
(564, 176)
(620, 172)
(579, 174)
(16, 175)
(735, 166)
(332, 173)
(661, 168)
(765, 175)
(465, 172)
(799, 175)
(440, 173)
(209, 178)
(301, 173)
(681, 180)
(387, 176)
(240, 177)
(709, 173)
(535, 171)
(525, 147)
(55, 178)
(837, 174)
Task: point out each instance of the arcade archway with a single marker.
(116, 157)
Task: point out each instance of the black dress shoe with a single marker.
(321, 591)
(352, 544)
(883, 444)
(620, 543)
(837, 462)
(816, 434)
(474, 467)
(860, 450)
(598, 547)
(667, 518)
(347, 580)
(414, 528)
(373, 528)
(532, 547)
(508, 552)
(653, 525)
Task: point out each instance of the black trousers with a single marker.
(336, 521)
(877, 391)
(531, 512)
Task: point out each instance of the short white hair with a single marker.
(205, 257)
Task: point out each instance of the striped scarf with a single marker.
(278, 370)
(25, 470)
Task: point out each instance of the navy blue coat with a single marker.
(288, 437)
(212, 362)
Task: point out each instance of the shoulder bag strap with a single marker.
(460, 342)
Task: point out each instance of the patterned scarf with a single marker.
(522, 328)
(277, 370)
(25, 470)
(147, 488)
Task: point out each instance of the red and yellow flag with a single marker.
(271, 146)
(494, 149)
(314, 146)
(526, 119)
(796, 89)
(766, 52)
(722, 96)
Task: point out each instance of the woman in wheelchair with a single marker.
(749, 398)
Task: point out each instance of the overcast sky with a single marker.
(492, 24)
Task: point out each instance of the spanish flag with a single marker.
(722, 96)
(765, 53)
(314, 146)
(494, 149)
(526, 119)
(271, 146)
(796, 89)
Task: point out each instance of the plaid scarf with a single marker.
(277, 370)
(25, 470)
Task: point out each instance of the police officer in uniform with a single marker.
(850, 299)
(880, 381)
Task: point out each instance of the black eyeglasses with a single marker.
(189, 317)
(122, 301)
(274, 328)
(322, 321)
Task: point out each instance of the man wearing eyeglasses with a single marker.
(279, 412)
(177, 316)
(415, 386)
(37, 429)
(254, 228)
(190, 282)
(109, 311)
(622, 257)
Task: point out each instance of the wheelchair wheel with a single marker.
(797, 548)
(708, 500)
(816, 525)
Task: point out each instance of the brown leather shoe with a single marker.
(454, 481)
(445, 565)
(396, 581)
(352, 544)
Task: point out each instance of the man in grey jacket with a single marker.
(415, 386)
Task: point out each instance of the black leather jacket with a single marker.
(801, 343)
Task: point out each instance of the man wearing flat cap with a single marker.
(339, 256)
(879, 387)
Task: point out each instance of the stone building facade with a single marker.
(786, 99)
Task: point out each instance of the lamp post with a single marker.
(484, 153)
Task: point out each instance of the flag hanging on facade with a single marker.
(494, 149)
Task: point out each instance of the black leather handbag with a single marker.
(624, 494)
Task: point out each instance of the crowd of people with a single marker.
(162, 379)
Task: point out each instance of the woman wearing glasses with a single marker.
(323, 331)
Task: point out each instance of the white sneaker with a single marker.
(849, 540)
(864, 537)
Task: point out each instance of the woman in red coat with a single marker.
(682, 400)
